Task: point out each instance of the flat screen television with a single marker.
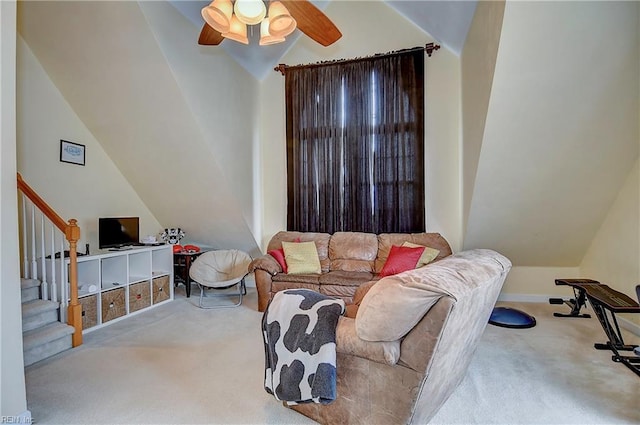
(116, 232)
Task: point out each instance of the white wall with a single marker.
(221, 96)
(362, 35)
(85, 193)
(13, 399)
(614, 255)
(535, 199)
(478, 65)
(135, 86)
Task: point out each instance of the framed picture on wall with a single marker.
(72, 153)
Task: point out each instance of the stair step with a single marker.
(37, 313)
(44, 342)
(29, 283)
(48, 333)
(30, 289)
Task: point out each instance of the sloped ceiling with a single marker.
(105, 59)
(561, 132)
(446, 21)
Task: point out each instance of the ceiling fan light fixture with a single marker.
(281, 22)
(250, 12)
(237, 31)
(265, 37)
(218, 15)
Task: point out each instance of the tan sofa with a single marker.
(347, 259)
(438, 314)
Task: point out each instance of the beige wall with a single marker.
(222, 98)
(13, 399)
(534, 199)
(537, 284)
(614, 255)
(361, 37)
(96, 190)
(478, 64)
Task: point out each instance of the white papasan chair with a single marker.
(221, 269)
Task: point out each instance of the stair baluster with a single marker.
(34, 239)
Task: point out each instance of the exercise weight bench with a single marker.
(576, 303)
(606, 302)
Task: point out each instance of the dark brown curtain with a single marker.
(355, 145)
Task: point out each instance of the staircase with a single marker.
(43, 334)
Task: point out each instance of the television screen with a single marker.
(118, 231)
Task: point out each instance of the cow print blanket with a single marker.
(299, 330)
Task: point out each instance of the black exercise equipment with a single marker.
(576, 303)
(606, 302)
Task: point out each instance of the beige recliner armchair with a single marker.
(411, 341)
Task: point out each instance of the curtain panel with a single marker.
(355, 145)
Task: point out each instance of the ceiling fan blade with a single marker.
(313, 22)
(209, 36)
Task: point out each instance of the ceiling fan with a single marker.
(307, 18)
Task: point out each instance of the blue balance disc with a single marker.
(511, 318)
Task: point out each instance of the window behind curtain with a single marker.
(355, 145)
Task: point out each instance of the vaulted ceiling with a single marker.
(557, 112)
(446, 21)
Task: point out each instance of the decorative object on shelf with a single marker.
(172, 236)
(72, 153)
(150, 239)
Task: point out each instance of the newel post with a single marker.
(74, 311)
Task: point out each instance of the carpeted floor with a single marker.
(180, 364)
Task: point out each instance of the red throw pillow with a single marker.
(400, 259)
(278, 254)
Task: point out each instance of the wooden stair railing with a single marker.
(72, 235)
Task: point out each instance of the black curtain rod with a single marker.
(429, 48)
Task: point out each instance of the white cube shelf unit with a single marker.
(125, 282)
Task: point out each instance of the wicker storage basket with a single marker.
(113, 304)
(139, 296)
(89, 311)
(161, 289)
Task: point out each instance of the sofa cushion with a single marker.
(401, 259)
(343, 278)
(301, 257)
(347, 342)
(353, 251)
(281, 286)
(302, 278)
(414, 292)
(358, 296)
(321, 240)
(392, 308)
(432, 240)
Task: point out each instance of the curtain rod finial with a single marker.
(281, 67)
(430, 47)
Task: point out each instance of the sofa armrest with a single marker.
(348, 342)
(266, 263)
(264, 268)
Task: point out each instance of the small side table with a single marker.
(181, 264)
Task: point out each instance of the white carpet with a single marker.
(180, 364)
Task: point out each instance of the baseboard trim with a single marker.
(22, 418)
(525, 298)
(629, 325)
(528, 298)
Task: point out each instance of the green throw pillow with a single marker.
(301, 257)
(427, 256)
